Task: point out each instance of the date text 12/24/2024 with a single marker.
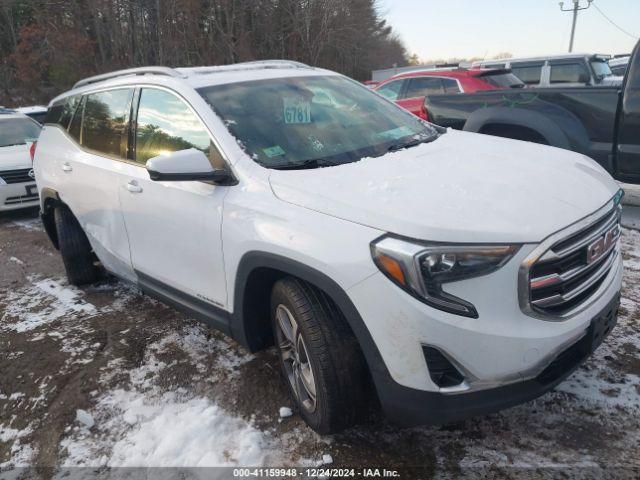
(318, 472)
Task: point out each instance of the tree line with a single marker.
(47, 45)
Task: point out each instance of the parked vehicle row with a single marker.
(408, 90)
(602, 123)
(574, 69)
(302, 209)
(17, 181)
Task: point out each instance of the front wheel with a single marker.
(319, 355)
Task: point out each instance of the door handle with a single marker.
(133, 187)
(66, 167)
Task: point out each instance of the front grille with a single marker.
(21, 199)
(16, 176)
(573, 268)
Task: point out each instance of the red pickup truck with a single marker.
(408, 90)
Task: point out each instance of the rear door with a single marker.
(628, 133)
(174, 227)
(88, 167)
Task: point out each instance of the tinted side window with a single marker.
(55, 112)
(105, 122)
(569, 73)
(391, 90)
(166, 124)
(423, 86)
(529, 74)
(76, 120)
(450, 85)
(61, 112)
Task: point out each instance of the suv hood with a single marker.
(15, 156)
(464, 187)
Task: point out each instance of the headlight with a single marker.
(422, 268)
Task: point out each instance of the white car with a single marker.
(447, 273)
(17, 180)
(564, 70)
(37, 112)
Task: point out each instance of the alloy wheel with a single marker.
(295, 357)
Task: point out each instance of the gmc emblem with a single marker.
(596, 249)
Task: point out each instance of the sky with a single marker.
(443, 29)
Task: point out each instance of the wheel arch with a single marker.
(256, 273)
(49, 200)
(543, 125)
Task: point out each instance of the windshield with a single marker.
(601, 68)
(313, 121)
(18, 131)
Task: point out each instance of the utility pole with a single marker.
(576, 8)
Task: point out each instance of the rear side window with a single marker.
(423, 86)
(391, 90)
(62, 111)
(76, 120)
(569, 73)
(450, 86)
(529, 74)
(166, 124)
(105, 122)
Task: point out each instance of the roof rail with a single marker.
(170, 72)
(254, 65)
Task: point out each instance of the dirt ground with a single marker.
(102, 376)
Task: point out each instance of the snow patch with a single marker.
(41, 303)
(85, 418)
(285, 412)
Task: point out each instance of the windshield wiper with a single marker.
(13, 144)
(306, 164)
(412, 143)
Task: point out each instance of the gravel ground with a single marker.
(106, 377)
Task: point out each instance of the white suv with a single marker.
(17, 182)
(444, 274)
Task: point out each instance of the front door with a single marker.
(628, 141)
(174, 228)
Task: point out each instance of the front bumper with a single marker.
(504, 354)
(408, 406)
(18, 195)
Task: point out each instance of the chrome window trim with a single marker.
(141, 86)
(545, 245)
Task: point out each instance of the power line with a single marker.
(614, 23)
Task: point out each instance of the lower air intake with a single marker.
(441, 370)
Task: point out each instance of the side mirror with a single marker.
(185, 165)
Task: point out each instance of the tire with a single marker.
(325, 345)
(74, 248)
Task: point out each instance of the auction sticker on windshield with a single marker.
(296, 110)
